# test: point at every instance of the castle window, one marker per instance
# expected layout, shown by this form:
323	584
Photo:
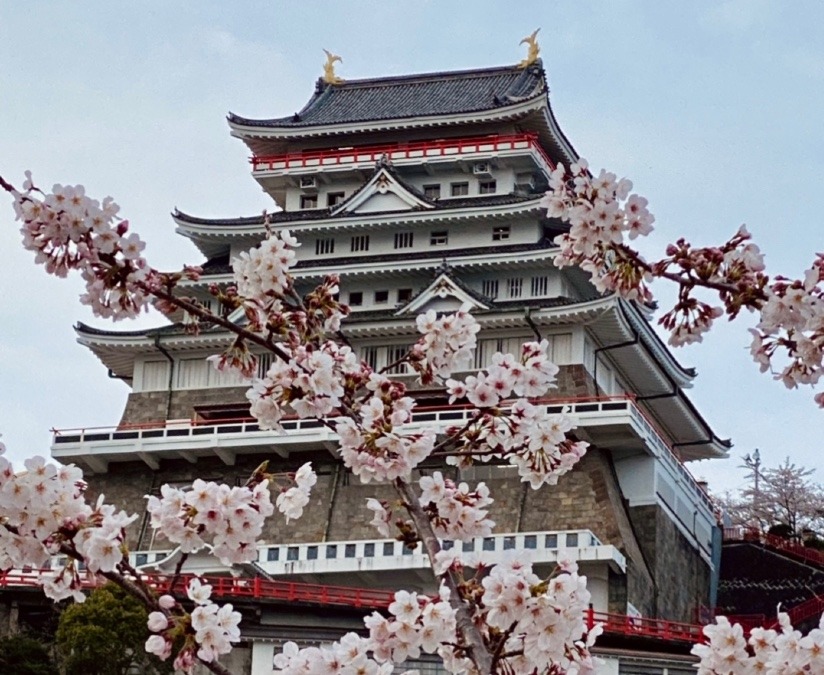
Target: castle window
369	550
403	239
308	201
334	198
500	233
489	287
539	286
404	294
459	189
331	551
439	238
370	355
141	559
360	242
551	541
514	287
324	246
292	553
487	187
389	548
349	551
432	191
381	297
272	554
311	552
396	353
355	298
572	540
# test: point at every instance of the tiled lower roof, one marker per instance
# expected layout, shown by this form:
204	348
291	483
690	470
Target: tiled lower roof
222	265
355	317
326	213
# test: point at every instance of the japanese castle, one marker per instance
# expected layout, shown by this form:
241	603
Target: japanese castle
422	192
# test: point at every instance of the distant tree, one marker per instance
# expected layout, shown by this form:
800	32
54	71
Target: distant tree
783	498
24	655
105	635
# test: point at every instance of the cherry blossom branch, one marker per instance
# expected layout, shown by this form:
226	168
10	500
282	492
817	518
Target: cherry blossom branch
475	644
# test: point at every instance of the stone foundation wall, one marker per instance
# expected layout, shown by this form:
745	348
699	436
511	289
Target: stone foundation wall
682	578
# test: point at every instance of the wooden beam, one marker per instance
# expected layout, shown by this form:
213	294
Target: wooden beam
151	461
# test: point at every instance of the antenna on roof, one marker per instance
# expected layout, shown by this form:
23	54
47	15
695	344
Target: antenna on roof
532	52
329	76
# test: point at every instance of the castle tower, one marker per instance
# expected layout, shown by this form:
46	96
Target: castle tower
422	192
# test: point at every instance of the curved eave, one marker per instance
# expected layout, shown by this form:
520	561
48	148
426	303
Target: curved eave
214	238
117	351
258	136
656	378
459	260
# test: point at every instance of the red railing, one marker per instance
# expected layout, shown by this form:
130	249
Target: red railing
790	547
232	587
414	150
362	598
643	627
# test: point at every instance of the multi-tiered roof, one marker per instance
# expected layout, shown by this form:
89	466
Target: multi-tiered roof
423	192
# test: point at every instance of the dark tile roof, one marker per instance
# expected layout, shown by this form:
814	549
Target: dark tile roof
412	96
222	265
755	578
482	201
354	317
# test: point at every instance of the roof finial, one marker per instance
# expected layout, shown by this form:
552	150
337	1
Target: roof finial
329	76
533	51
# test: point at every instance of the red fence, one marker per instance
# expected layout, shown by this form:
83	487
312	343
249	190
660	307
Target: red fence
418	150
363	598
790	547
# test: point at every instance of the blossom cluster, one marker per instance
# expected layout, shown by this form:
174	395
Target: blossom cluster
547	615
67	230
416	624
446	345
602	215
372	446
263	271
529	376
526	435
208	631
312	382
291	502
43	511
231	518
456	511
767	651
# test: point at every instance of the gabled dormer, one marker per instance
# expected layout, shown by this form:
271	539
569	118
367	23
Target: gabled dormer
384	191
444	294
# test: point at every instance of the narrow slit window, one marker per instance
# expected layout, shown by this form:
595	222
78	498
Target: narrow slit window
324	246
539	286
514	287
403	239
489	287
360	242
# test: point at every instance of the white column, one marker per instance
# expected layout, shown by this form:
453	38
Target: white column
263	653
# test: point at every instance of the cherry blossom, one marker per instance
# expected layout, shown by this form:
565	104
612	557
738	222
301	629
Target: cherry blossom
788	340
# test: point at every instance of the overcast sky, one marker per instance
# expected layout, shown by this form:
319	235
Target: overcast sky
713	109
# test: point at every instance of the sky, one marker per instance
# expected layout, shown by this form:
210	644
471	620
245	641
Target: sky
713	109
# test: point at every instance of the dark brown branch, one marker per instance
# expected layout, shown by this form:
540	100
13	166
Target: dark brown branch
475	645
